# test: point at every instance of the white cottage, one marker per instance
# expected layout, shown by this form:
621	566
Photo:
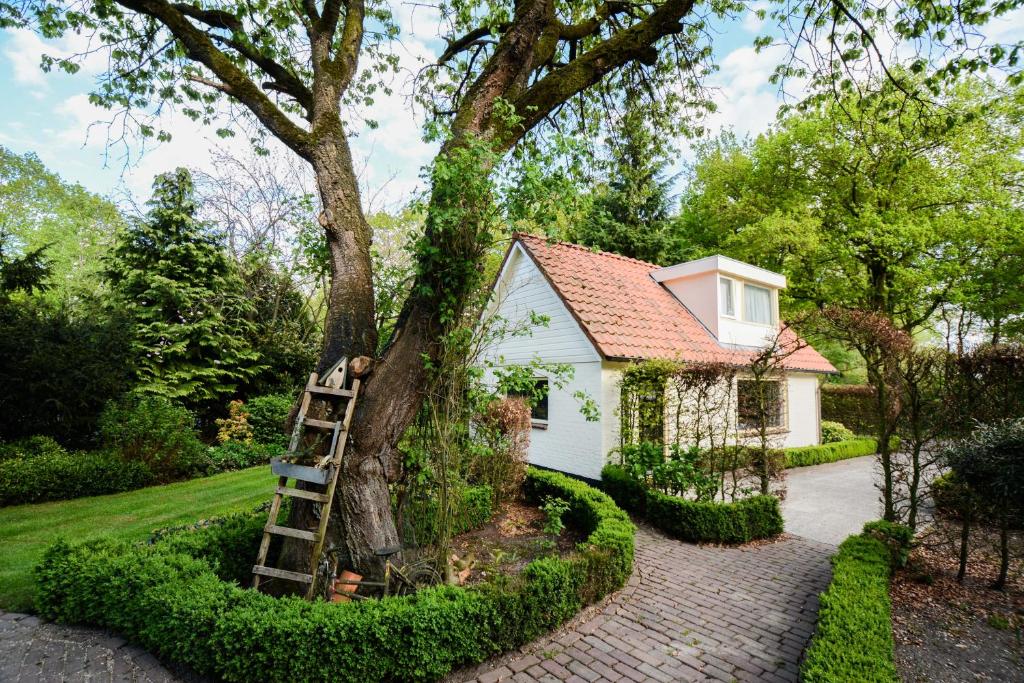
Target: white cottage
606	311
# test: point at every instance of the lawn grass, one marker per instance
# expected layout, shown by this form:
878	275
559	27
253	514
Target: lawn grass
27	530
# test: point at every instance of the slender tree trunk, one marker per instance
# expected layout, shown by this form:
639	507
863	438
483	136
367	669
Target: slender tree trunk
1004	554
915	482
965	540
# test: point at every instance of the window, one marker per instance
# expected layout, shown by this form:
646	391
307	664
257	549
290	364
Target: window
537	398
757	304
757	401
726	303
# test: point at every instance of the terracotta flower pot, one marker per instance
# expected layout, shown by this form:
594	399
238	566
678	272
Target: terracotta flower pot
340	588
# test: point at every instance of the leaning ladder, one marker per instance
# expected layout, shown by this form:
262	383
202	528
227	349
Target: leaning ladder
324	473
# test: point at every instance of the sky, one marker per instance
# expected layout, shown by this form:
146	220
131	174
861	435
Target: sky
50	114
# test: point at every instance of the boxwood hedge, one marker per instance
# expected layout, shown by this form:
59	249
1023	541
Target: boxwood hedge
175	598
804	456
699	522
853	640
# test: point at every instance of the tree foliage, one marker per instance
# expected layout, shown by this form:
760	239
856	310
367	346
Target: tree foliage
186	304
880	205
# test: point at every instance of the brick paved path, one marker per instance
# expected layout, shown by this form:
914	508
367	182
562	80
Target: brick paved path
689	613
31	651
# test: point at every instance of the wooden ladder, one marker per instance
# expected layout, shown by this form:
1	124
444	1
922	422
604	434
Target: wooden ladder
324	473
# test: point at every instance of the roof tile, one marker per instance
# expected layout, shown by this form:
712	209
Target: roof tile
630	316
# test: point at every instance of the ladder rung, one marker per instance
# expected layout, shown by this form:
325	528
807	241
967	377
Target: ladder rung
299	493
320	424
288	531
330	391
282	574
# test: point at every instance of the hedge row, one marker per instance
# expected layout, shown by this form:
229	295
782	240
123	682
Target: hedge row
853	640
698	522
171	597
829	452
59	475
851	404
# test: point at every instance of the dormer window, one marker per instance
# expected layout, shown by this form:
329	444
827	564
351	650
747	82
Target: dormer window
757	304
726	298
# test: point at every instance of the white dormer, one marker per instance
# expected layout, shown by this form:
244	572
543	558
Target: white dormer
738	302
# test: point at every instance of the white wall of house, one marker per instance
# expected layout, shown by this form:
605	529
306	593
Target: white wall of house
804	414
568	442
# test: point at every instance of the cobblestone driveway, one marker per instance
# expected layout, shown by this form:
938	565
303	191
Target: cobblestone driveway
31	651
689	613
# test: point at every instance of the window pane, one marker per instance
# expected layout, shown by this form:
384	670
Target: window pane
540	392
754	405
725	297
757	304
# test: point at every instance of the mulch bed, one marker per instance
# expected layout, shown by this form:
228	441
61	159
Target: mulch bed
947	631
510	541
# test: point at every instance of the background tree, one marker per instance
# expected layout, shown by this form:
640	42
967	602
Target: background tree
186	303
59	364
876	203
38	209
629	213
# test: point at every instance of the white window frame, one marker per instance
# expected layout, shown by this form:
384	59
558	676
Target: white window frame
732	296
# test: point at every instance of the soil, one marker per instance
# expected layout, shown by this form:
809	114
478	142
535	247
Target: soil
951	632
511	540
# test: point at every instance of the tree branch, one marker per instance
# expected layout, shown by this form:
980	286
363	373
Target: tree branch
200	48
635	43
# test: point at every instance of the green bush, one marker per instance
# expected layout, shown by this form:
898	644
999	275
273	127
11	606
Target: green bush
853	640
171	598
236	455
834	432
475	509
896	537
805	456
30	447
696	521
59	475
267	416
156	432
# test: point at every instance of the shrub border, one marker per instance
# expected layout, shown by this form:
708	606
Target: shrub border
698	522
853	640
168	598
805	456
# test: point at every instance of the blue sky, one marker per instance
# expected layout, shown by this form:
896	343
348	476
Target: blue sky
50	114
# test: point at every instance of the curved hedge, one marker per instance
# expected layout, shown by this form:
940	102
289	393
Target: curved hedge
853	640
175	598
698	522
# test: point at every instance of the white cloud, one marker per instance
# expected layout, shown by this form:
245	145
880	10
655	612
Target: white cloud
24	50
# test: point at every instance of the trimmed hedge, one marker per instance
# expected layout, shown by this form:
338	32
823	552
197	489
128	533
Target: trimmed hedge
805	456
853	640
59	475
851	404
169	598
699	522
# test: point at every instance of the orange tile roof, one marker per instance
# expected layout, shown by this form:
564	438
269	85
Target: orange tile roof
628	315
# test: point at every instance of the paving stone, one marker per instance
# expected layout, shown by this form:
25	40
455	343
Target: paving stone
691	613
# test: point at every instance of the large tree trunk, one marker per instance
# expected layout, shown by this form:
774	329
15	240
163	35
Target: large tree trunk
362	504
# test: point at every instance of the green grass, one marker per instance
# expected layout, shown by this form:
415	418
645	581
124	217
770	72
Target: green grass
27	530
